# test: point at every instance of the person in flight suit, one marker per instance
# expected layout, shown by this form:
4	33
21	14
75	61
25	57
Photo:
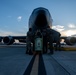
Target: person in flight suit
38	42
57	46
28	41
44	41
50	39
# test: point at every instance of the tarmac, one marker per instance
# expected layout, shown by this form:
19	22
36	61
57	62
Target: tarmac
14	61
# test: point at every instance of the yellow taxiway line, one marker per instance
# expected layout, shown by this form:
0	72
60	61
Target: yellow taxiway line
68	48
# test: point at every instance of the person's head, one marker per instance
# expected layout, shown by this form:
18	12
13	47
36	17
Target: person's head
30	29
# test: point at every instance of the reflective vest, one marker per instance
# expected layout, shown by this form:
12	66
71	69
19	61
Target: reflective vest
38	44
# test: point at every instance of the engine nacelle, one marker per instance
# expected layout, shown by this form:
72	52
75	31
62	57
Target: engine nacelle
70	40
8	40
0	39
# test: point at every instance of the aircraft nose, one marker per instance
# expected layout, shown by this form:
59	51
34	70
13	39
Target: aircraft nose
41	11
41	19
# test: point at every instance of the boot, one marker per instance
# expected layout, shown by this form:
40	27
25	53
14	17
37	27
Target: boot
30	52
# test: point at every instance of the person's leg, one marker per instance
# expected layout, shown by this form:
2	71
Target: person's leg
27	48
59	45
46	46
51	44
51	47
56	47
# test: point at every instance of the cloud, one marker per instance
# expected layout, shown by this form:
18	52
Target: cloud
63	30
68	32
71	26
19	18
58	27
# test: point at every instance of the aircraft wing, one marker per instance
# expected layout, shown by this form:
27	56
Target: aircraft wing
69	40
8	40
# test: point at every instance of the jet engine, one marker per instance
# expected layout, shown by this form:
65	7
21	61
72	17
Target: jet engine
0	39
70	40
8	40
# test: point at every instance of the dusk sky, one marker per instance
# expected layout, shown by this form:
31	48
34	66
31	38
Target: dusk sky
14	15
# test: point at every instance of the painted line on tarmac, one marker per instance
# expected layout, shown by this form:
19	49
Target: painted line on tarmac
55	62
29	68
34	70
36	66
41	68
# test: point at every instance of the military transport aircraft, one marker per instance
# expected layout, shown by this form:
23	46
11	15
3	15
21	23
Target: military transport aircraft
39	19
